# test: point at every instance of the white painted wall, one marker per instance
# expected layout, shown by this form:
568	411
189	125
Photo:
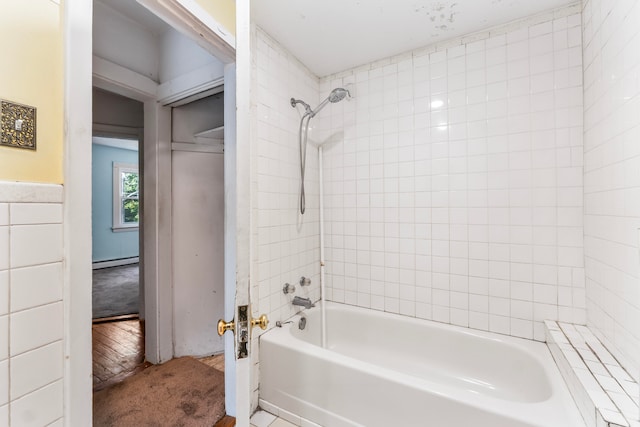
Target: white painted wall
198	252
173	60
198	232
612	175
116	110
195	117
119	40
158	289
180	55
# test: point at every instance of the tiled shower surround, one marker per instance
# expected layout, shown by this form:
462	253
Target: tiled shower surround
285	244
455	189
457	185
612	175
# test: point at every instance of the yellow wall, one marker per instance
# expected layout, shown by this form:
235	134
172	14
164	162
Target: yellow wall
224	11
31	73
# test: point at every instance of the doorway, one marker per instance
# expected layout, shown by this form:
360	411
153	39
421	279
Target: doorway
180	122
116	220
121	78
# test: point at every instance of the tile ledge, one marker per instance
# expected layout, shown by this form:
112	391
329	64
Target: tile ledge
30	192
600	406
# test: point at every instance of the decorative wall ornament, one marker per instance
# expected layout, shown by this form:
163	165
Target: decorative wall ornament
17	125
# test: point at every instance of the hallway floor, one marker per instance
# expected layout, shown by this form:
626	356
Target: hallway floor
118	353
115	291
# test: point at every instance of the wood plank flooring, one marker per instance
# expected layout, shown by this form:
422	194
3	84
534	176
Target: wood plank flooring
226	421
118	353
216	362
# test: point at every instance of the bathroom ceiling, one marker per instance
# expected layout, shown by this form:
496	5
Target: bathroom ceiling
334	35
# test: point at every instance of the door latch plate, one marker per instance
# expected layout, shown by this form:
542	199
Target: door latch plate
243	331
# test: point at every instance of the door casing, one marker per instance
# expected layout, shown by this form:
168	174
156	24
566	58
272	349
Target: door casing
183	15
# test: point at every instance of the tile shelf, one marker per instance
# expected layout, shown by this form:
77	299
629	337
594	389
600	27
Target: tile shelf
606	395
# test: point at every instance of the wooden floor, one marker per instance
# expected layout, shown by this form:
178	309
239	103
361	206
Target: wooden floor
118	353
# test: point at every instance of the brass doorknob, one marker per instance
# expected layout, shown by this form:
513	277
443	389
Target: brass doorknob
225	326
261	321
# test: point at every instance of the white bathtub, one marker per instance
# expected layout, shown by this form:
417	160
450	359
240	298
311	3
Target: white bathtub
387	370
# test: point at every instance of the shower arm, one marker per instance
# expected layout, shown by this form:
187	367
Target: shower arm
307	107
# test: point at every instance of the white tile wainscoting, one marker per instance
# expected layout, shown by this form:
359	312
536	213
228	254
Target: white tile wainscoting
31	308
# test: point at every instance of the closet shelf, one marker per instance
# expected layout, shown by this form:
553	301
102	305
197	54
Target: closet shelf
210	134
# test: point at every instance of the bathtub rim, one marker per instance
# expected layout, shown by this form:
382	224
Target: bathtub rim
539	351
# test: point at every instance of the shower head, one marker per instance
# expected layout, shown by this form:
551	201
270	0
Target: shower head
336	95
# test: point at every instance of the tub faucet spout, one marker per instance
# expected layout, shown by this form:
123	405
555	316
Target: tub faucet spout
303	302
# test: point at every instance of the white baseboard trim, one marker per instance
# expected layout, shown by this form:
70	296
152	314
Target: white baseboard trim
115	263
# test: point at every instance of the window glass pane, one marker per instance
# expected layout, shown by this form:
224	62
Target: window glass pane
130	208
129	184
126	192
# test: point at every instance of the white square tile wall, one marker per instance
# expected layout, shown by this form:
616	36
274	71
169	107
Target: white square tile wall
4	415
4	382
4	292
34	286
31	308
455	193
457	184
40	408
35	244
4	214
612	175
4	247
36	369
4	337
23	336
287	242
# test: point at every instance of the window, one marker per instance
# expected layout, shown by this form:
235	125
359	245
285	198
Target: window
126	190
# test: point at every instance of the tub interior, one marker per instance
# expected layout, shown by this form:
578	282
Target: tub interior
443	354
383	369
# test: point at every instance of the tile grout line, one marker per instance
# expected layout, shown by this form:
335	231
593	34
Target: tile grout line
611	374
601	411
10	316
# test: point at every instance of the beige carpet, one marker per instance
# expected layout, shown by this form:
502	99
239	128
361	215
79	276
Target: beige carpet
182	392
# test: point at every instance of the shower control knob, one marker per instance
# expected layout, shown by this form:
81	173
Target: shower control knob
305	281
288	289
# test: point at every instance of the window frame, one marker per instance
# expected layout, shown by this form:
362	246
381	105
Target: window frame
118	224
